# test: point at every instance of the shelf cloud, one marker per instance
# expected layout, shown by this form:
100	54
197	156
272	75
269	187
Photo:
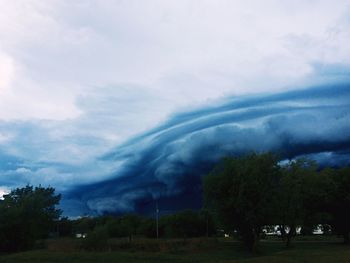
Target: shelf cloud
169	160
119	103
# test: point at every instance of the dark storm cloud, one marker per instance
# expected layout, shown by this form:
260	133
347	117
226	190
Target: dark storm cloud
167	162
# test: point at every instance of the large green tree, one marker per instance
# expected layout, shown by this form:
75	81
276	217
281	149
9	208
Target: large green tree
303	195
242	193
340	203
27	214
317	188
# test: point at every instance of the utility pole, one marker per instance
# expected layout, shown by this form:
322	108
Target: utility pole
207	225
157	219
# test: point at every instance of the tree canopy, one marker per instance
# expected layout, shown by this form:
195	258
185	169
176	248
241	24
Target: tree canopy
242	192
27	214
249	192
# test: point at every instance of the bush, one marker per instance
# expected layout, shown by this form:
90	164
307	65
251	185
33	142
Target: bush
96	240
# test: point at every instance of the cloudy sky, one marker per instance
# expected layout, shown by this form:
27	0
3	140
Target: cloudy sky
90	91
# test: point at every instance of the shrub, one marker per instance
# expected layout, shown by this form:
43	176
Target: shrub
96	240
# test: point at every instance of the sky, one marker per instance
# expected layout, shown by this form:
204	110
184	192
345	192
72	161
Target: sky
119	103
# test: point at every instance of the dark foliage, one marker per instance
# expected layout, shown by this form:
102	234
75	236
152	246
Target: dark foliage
242	193
249	192
187	224
340	203
26	215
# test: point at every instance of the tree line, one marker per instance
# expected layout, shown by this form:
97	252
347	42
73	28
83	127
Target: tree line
242	196
30	214
182	224
250	192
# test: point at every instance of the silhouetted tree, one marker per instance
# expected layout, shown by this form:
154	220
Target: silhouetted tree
242	192
187	224
26	215
130	225
340	203
291	199
84	225
317	188
64	227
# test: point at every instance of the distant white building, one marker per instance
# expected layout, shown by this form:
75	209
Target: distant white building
80	235
318	230
274	230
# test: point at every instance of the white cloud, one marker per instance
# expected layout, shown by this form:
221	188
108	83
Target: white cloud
3	191
7	69
189	51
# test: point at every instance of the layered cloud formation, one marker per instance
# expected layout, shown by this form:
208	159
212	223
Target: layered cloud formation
84	83
167	163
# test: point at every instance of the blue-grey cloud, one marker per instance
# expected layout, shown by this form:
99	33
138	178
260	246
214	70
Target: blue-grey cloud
73	86
167	162
62	152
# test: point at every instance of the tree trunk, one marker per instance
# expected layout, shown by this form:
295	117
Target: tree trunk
255	242
346	237
290	235
283	232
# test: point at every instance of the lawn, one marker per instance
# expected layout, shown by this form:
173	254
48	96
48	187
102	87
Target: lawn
194	251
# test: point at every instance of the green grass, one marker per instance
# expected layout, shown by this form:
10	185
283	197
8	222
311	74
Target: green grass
195	251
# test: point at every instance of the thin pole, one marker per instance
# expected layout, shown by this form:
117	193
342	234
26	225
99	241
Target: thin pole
207	225
157	219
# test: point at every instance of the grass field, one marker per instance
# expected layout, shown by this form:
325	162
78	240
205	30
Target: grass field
319	251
